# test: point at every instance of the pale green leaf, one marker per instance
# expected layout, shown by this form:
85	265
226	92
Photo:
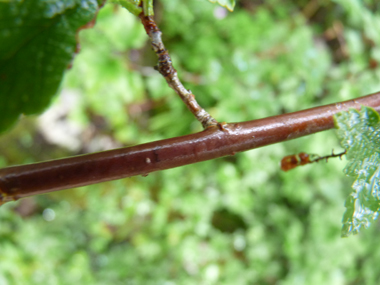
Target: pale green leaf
229	4
131	5
359	133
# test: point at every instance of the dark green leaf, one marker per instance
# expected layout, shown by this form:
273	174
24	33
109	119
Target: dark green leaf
38	41
359	133
227	221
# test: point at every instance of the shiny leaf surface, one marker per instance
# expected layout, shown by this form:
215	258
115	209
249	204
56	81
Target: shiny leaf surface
359	133
38	41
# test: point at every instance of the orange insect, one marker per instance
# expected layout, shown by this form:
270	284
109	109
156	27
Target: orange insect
292	161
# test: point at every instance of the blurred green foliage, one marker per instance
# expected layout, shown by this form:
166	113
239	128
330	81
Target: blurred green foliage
235	220
359	133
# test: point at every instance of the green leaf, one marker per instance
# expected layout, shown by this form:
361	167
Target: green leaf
38	41
229	4
148	7
359	133
131	5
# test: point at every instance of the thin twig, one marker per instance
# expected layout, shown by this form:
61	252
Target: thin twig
326	157
165	67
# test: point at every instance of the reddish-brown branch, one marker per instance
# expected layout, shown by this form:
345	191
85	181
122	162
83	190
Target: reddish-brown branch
216	141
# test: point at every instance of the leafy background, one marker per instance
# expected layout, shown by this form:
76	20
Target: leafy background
232	220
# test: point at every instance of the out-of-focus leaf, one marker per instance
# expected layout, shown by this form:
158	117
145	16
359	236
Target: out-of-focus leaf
38	41
227	221
229	4
131	5
359	133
